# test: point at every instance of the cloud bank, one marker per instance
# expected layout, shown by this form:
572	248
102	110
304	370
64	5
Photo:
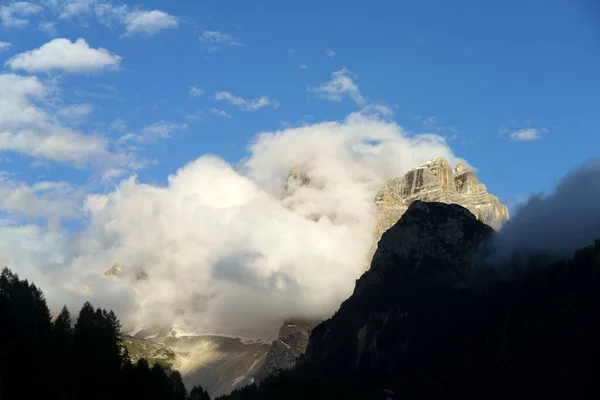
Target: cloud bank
224	248
557	223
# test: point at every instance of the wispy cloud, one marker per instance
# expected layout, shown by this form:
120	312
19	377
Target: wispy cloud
329	53
138	22
16	15
215	39
151	133
524	135
76	112
75	8
49	28
303	66
64	55
220	113
196	91
430	121
5	46
340	85
245	104
118	125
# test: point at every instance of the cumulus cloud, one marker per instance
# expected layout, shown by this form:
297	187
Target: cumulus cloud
245	104
340	85
17	14
227	250
527	135
559	222
329	53
64	55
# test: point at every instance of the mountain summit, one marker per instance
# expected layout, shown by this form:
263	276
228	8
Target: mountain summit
436	181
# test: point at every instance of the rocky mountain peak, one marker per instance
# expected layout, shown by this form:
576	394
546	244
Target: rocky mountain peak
436	181
114	272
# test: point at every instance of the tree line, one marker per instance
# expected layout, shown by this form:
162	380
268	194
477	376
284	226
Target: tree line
66	359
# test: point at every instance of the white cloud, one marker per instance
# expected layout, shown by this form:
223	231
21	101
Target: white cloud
220	113
53	201
49	28
245	104
196	91
151	133
76	8
15	15
5	46
118	125
223	250
76	112
27	127
302	66
149	22
430	121
216	38
329	53
62	54
341	84
138	22
161	129
527	135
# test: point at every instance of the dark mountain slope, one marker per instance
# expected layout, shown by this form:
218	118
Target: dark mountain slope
427	321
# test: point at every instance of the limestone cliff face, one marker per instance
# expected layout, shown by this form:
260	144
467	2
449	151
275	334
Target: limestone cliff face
290	344
436	181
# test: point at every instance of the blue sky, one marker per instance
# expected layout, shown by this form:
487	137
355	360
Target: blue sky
477	69
94	91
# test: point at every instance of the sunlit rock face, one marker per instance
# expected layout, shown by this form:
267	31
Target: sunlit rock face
436	181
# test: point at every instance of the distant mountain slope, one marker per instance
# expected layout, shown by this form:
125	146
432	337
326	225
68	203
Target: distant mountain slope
219	364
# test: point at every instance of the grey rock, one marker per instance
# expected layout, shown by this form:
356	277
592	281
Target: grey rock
284	351
436	181
114	272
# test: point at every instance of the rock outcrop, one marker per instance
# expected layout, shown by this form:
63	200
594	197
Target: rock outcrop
290	344
436	181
